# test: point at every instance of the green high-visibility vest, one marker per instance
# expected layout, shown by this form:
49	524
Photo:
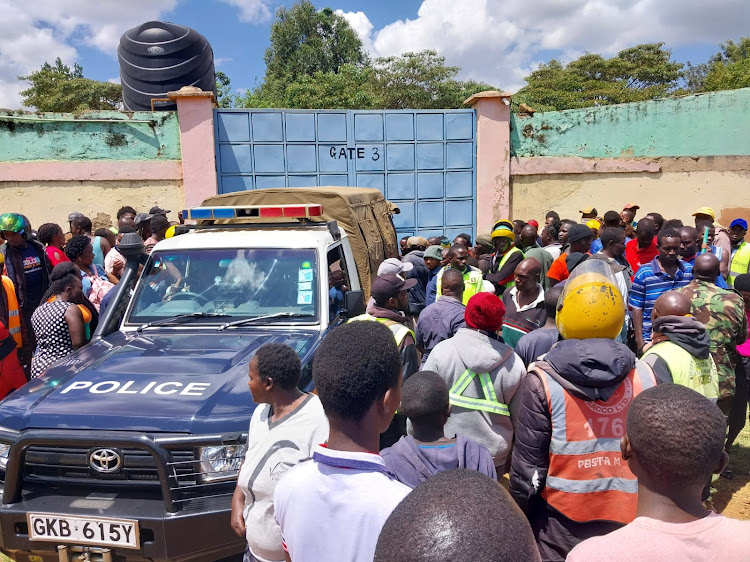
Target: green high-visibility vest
687	370
740	262
398	330
473	282
488	404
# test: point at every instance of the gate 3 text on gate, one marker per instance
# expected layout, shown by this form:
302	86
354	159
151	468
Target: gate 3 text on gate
347	153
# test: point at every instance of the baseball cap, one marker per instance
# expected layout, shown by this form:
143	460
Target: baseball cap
587	210
140	218
630	206
159	222
156	210
739	222
534	223
395	266
579	232
417	241
389	285
434	252
706	211
74	215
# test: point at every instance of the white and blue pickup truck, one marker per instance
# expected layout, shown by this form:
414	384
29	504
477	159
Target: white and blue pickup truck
129	448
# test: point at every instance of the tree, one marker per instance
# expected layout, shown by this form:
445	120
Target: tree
350	88
305	41
639	73
420	81
223	90
729	68
58	88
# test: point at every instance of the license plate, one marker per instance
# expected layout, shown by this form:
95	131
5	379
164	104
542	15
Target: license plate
83	530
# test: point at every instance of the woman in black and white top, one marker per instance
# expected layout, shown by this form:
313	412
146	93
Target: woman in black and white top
58	324
284	429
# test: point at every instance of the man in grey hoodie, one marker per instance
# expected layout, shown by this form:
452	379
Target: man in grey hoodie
483	375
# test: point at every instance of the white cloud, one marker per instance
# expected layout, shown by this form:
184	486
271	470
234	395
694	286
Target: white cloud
250	10
34	32
499	42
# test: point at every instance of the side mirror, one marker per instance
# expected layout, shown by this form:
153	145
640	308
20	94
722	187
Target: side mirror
354	302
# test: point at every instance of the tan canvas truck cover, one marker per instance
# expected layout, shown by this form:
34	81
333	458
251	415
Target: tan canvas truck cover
363	213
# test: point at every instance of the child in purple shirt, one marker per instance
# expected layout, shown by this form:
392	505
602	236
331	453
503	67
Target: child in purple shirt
427	451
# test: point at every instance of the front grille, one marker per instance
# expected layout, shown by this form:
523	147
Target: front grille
70	465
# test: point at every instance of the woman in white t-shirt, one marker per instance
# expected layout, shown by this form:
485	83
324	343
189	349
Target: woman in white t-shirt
284	428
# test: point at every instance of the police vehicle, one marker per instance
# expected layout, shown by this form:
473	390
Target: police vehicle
129	448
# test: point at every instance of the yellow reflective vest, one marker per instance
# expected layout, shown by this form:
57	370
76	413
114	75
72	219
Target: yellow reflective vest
740	262
398	330
473	282
687	370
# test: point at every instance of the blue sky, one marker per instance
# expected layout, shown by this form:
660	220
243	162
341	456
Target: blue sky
496	41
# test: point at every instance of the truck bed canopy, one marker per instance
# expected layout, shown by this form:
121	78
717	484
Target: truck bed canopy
363	213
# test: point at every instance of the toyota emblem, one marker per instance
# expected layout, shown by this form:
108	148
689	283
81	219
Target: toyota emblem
105	460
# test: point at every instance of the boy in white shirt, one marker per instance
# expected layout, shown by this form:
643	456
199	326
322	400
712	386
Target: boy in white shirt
333	507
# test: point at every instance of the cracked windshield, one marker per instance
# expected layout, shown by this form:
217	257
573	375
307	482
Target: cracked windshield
240	283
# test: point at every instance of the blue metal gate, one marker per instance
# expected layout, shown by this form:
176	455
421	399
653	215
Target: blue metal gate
424	161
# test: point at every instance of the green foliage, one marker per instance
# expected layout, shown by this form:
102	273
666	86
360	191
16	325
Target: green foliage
223	90
422	81
305	41
639	73
729	68
58	88
350	88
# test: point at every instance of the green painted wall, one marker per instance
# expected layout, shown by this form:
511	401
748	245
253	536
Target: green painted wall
93	135
713	124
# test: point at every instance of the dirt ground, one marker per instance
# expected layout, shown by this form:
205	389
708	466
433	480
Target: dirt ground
732	497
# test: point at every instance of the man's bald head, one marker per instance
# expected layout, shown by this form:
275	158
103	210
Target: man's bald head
706	267
671	303
452	283
528	236
527	274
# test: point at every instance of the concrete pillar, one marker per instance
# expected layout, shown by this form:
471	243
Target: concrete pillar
493	157
196	117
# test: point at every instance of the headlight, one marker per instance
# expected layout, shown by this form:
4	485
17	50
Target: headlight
220	462
4	452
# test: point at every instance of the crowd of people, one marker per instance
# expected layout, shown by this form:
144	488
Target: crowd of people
601	364
55	284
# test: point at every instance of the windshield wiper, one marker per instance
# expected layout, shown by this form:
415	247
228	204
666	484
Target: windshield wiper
179	317
266	317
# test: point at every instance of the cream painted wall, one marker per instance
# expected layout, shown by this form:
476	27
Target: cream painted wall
674	194
99	200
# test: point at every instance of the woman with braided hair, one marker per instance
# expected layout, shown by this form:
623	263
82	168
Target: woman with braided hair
88	310
53	238
58	324
96	281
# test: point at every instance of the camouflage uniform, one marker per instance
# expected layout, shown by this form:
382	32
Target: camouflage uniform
723	314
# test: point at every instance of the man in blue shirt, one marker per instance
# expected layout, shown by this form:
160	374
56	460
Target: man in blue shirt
664	273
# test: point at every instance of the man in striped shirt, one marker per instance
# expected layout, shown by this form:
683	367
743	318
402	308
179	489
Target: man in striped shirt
664	273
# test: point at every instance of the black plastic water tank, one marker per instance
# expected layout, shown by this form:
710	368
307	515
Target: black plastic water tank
159	57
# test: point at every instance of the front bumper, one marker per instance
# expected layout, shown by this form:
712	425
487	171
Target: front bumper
200	531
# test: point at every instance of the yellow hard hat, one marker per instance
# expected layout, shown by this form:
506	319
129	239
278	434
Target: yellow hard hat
594	224
591	305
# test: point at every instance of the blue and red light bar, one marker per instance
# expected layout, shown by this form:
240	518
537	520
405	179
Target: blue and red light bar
254	211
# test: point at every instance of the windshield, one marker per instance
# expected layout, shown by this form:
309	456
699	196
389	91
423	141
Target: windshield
238	283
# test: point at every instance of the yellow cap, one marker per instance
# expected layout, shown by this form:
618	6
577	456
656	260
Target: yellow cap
587	210
591	305
706	211
594	224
